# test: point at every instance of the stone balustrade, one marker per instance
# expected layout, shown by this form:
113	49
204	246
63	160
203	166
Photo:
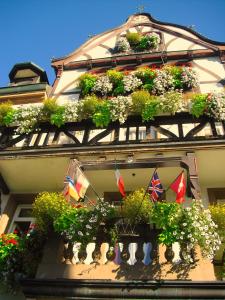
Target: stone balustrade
122	253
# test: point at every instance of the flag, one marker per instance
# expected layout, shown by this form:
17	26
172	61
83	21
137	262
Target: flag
81	183
76	188
179	187
155	188
120	183
70	189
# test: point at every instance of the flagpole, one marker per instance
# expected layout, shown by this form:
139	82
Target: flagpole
91	186
145	194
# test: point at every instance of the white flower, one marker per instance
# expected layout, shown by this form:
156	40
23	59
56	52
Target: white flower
80	233
122	45
131	83
102	85
120	107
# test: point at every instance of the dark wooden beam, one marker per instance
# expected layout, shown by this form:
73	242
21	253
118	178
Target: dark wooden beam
3	186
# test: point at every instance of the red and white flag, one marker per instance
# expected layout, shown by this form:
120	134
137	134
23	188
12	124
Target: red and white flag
120	183
179	187
80	182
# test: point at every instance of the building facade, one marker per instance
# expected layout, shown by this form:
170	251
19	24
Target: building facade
174	140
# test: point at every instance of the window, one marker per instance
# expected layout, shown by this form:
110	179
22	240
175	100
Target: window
114	198
216	195
22	219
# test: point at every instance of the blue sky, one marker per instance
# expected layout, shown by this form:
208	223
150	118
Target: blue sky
38	30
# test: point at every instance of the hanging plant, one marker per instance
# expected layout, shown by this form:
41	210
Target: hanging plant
198	105
86	83
7	113
138	42
216	105
120	108
151	109
102	116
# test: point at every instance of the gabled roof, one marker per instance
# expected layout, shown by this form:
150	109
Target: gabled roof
145	19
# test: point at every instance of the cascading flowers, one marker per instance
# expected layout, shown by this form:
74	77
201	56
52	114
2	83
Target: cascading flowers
197	228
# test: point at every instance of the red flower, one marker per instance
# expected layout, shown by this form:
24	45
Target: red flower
15	231
12	241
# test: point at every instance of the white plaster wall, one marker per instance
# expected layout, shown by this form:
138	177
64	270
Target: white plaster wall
67	82
63	99
209	81
182	31
101	52
180	43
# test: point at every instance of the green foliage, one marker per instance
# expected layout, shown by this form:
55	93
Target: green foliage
50	107
218	216
170	102
115	77
167	217
119	90
137	207
151	109
144	44
19	256
86	83
47	207
147	75
6	113
139	99
176	72
87	107
133	38
82	224
102	116
198	105
57	118
7	243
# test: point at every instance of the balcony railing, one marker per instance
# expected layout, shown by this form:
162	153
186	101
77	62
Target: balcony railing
163	131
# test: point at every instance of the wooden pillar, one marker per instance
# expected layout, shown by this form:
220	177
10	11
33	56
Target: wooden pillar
192	173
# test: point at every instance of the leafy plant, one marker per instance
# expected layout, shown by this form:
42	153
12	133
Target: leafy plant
86	83
170	102
115	76
133	38
87	107
218	216
47	207
151	109
167	217
198	105
19	256
102	116
82	224
50	107
6	113
137	207
57	118
176	72
139	99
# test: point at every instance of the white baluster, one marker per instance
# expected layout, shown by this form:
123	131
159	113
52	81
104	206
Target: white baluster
89	249
176	250
104	249
147	248
76	249
118	250
132	248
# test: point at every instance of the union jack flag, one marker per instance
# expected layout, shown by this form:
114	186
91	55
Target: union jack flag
155	188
